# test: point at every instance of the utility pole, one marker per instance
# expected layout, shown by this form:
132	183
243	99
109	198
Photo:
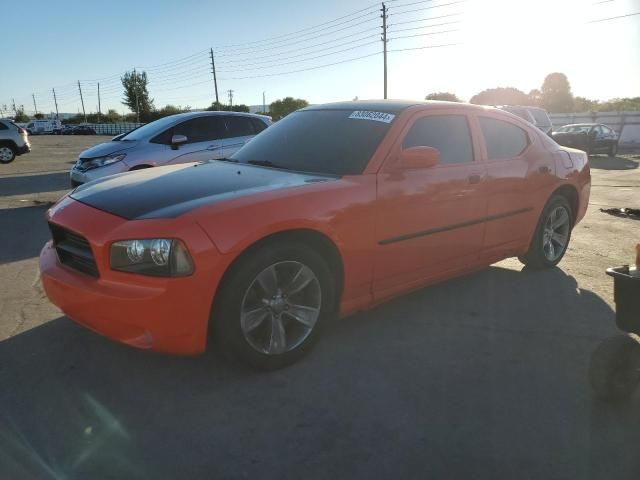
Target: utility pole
264	105
55	100
384	43
135	89
15	111
230	99
215	81
99	111
35	108
84	114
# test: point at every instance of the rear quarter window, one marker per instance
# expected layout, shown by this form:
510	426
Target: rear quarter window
3	126
503	139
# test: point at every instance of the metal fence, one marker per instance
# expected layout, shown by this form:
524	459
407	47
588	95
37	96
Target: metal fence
113	128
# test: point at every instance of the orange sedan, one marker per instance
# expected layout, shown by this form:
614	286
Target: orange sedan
332	210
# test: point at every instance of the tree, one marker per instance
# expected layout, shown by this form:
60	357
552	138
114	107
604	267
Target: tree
281	108
446	96
111	116
556	93
500	96
39	116
535	98
20	116
136	95
582	104
219	107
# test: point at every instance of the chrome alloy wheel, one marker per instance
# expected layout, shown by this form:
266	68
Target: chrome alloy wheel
6	154
556	233
281	307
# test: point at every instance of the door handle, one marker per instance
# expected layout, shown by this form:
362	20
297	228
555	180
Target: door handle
213	147
544	170
475	179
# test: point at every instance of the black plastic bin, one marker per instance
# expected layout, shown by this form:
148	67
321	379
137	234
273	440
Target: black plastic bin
626	294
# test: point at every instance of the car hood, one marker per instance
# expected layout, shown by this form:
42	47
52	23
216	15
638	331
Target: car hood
107	148
167	192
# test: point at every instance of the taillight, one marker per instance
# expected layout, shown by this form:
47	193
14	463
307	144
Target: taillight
22	131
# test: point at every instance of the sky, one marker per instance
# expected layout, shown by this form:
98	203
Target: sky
261	46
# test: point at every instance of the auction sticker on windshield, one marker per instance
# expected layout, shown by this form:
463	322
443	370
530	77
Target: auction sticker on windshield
375	116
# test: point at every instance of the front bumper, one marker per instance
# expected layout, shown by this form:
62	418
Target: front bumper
78	177
169	315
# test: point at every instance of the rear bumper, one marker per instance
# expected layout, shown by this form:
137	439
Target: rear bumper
26	148
168	315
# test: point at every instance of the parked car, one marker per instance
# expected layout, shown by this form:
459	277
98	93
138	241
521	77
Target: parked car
14	141
333	209
41	127
83	130
589	137
535	115
185	137
66	130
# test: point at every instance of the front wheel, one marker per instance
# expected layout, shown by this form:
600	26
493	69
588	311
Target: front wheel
613	149
614	371
552	235
272	303
7	154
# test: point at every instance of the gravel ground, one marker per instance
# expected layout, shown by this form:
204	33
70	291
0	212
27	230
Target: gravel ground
480	377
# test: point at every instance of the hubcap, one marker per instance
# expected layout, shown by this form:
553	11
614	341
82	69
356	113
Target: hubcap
281	307
556	233
5	154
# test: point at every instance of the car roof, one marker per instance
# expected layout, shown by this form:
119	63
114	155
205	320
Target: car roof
391	106
187	115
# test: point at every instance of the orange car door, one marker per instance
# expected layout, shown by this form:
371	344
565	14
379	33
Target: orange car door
515	165
429	220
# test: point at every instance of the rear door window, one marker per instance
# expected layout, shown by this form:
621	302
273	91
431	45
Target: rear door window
3	126
503	139
448	133
258	125
200	129
240	126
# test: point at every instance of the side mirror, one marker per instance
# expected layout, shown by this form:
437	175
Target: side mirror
178	140
418	157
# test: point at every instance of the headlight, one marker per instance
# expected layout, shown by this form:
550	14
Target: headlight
102	161
159	257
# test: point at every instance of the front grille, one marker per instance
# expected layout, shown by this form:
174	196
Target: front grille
73	250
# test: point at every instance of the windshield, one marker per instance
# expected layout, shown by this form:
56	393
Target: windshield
540	116
575	129
318	141
148	130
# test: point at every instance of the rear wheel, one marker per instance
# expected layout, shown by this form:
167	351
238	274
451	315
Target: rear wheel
272	304
614	371
552	235
613	149
7	154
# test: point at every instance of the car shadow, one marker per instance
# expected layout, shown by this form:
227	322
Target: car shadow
27	184
29	232
604	162
480	377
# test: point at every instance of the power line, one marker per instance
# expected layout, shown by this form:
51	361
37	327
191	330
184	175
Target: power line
427	8
230	54
614	18
424	34
425	19
424	26
372	6
305	60
424	47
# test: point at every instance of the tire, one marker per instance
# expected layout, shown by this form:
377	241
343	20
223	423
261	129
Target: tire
614	371
246	319
540	255
613	149
7	153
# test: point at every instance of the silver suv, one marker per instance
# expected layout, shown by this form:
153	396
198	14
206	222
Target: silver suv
14	141
181	138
